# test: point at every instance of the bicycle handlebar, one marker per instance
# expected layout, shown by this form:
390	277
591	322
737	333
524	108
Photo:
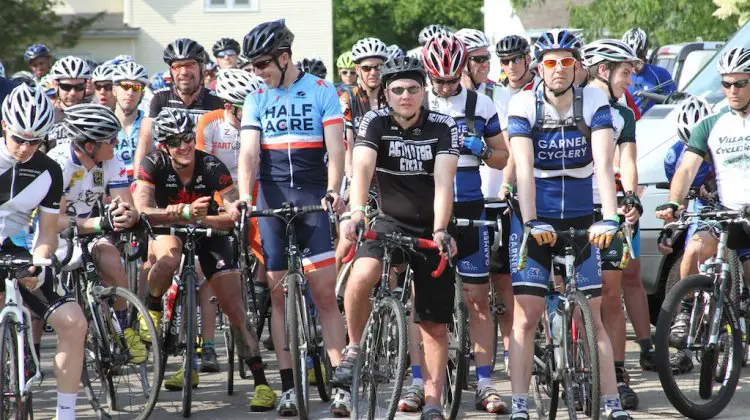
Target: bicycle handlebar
193	230
401	240
660	99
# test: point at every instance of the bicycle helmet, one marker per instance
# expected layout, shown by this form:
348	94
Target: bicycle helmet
511	45
70	67
394	51
90	122
171	122
103	73
210	66
736	60
444	57
130	71
2	70
473	39
607	50
557	40
47	84
693	110
35	51
430	31
157	81
183	49
345	61
638	41
369	48
268	38
313	66
25	77
233	85
121	59
224	44
28	112
391	69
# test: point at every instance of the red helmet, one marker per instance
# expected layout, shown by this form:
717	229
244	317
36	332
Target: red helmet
444	56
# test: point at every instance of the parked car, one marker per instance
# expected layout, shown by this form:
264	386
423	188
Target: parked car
685	60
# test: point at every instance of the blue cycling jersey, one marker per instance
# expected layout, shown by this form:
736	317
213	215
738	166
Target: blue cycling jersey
654	79
291	121
672	162
127	143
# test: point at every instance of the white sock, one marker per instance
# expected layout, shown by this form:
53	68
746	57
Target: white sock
66	406
418	382
484	383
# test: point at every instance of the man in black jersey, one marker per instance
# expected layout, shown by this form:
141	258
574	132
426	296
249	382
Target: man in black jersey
413	154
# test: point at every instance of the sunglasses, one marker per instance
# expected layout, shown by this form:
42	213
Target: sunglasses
739	84
479	59
188	66
368	69
399	90
176	141
514	60
67	87
347	72
30	142
446	82
260	65
564	62
103	86
222	54
135	87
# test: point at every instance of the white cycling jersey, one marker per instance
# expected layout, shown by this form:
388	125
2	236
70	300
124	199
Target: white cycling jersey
220	138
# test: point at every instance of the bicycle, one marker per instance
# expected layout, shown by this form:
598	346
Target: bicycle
303	337
714	332
109	377
383	351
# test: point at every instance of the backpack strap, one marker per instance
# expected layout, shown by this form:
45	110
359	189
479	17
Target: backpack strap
471	108
539	95
578	113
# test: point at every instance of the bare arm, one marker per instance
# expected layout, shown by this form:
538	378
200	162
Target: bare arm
47	242
349	153
509	172
602	145
684	176
444	174
334	138
84	225
628	170
145	143
249	159
523	156
500	153
360	184
145	202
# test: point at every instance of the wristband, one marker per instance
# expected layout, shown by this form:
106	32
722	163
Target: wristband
508	186
363	209
439	230
249	198
98	225
186	212
675	203
615	218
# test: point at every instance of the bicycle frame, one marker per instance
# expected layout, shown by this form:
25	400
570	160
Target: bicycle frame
15	308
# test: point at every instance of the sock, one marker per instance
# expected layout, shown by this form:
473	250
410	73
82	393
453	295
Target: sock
431	407
646	345
66	406
122	318
416	376
255	364
208	344
484	378
287	379
611	403
154	303
520	403
38	350
620	371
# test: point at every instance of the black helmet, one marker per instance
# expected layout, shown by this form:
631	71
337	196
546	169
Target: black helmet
397	66
224	44
313	66
267	38
171	122
512	45
184	49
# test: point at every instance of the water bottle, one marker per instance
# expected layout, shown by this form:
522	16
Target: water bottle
169	298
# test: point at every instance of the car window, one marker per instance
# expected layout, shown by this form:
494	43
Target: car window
667	62
694	62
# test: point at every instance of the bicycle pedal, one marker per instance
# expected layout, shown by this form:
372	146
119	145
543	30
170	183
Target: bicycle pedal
213	299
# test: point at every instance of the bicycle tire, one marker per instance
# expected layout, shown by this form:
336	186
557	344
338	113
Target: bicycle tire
11	400
190	282
295	335
229	343
321	364
714	405
587	345
495	324
457	367
545	388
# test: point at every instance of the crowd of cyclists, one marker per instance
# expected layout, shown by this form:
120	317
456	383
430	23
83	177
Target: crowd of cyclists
429	136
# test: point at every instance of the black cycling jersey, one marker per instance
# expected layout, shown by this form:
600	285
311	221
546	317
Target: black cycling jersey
406	161
167	98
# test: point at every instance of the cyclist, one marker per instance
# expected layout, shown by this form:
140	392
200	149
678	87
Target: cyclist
648	77
130	80
39	59
445	59
394	51
70	75
314	66
415	194
475	74
284	143
35	182
554	185
209	74
176	184
226	51
102	79
347	73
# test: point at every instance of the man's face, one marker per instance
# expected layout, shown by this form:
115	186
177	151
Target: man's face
557	68
479	65
348	76
737	94
105	152
40	66
208	77
621	78
405	96
183	153
186	75
515	66
369	72
70	91
20	149
227	59
128	94
265	68
103	93
445	87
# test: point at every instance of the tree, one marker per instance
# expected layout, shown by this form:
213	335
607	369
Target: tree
733	8
26	22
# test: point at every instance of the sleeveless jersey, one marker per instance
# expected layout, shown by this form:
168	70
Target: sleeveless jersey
127	143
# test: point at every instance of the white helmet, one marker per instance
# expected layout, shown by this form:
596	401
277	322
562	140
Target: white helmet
369	47
47	85
103	73
2	70
609	50
70	67
693	110
431	30
233	85
473	39
28	112
130	71
736	60
637	39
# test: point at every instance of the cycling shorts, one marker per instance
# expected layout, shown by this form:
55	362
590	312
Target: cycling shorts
499	262
253	234
636	240
473	244
312	229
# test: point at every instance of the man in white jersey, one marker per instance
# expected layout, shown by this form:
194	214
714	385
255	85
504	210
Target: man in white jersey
477	68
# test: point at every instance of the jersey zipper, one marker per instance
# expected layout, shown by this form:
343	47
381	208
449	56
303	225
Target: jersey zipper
562	201
288	143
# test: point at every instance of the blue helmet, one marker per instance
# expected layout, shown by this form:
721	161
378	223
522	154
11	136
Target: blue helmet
557	40
36	51
157	81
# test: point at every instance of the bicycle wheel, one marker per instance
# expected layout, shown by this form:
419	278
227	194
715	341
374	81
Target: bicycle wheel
229	343
694	392
458	351
321	363
581	358
379	372
11	401
296	334
544	386
495	314
190	280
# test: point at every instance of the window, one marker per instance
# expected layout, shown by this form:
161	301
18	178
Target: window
230	5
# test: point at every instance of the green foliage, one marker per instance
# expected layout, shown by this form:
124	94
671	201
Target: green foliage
739	9
26	22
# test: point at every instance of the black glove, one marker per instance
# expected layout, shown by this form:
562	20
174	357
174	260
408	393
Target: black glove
632	200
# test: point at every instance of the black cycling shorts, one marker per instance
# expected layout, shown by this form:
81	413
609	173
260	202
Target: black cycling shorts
499	258
216	254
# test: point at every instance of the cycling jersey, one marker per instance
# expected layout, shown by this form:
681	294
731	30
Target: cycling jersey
653	79
341	88
468	184
355	103
24	186
726	136
291	121
6	86
623	124
217	136
406	162
167	98
127	143
563	161
628	100
672	162
487	88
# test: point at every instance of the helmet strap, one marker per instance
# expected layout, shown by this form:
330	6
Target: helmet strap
283	71
401	116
